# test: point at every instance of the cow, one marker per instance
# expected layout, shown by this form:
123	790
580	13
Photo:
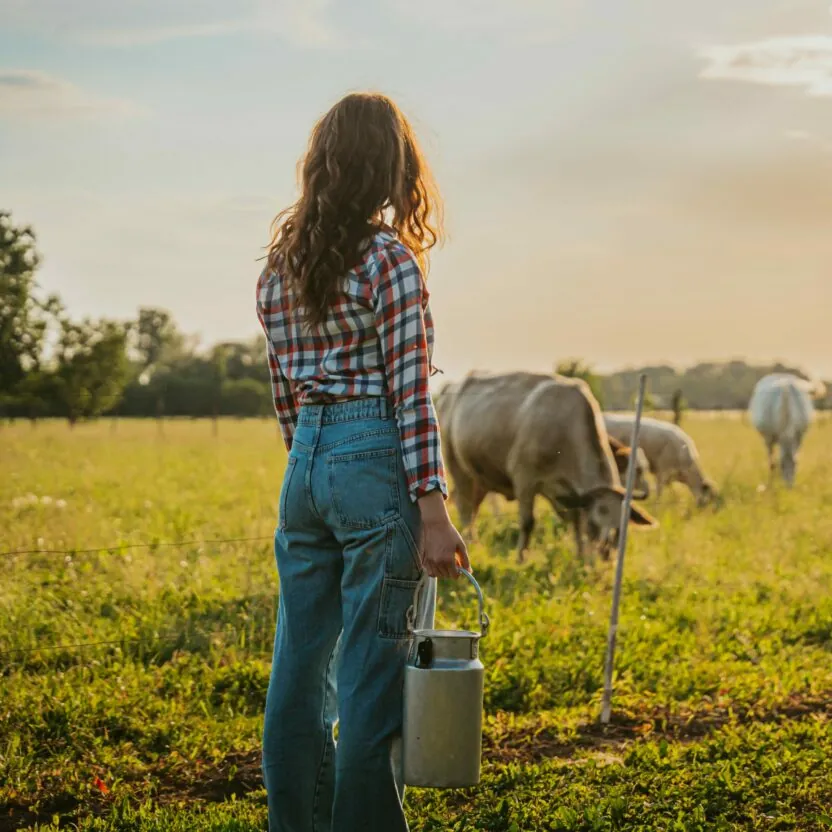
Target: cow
524	434
781	409
671	454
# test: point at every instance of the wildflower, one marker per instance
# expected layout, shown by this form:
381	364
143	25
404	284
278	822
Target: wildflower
101	785
60	503
46	501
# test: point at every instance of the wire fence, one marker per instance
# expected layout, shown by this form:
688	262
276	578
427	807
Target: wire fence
117	547
77	647
20	655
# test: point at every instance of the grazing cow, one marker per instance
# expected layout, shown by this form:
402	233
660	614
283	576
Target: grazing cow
671	454
781	409
523	434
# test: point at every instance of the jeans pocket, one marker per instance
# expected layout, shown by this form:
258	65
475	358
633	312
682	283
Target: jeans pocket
402	572
364	487
402	558
291	465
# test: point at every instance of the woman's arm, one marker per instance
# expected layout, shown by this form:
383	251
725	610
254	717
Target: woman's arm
400	323
285	404
284	399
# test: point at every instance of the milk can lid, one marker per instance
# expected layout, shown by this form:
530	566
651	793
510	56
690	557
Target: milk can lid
447	633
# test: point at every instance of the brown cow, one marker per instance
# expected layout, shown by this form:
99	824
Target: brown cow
523	434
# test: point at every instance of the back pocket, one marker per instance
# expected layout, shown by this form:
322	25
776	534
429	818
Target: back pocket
364	487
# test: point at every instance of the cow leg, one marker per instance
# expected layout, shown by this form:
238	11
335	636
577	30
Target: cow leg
772	461
526	501
577	519
660	484
468	496
494	504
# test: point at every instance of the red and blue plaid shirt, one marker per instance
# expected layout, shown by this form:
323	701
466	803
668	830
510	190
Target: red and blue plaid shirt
377	341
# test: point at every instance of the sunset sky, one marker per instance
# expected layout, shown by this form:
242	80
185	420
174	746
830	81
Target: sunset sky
625	182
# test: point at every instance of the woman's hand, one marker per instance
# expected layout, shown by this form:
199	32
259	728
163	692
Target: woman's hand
443	549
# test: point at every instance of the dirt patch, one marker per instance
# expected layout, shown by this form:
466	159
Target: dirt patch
534	744
239	773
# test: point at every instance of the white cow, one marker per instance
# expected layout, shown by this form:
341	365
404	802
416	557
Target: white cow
671	453
781	409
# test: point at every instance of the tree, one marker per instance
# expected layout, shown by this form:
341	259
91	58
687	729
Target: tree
245	397
246	359
23	317
678	405
575	368
158	340
92	367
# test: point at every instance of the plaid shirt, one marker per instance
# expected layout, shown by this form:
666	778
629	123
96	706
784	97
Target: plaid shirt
377	341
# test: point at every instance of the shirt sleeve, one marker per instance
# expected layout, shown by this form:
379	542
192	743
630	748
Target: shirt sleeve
400	303
285	404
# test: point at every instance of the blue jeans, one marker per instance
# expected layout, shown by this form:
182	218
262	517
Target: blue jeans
348	560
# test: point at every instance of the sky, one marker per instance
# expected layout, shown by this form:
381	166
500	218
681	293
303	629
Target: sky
629	183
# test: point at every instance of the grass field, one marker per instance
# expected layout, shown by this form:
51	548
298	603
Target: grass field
723	706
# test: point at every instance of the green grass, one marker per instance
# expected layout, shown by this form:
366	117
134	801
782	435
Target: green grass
722	717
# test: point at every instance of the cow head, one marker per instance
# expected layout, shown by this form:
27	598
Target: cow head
602	509
708	494
701	487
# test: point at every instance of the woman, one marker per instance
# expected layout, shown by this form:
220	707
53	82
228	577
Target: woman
344	306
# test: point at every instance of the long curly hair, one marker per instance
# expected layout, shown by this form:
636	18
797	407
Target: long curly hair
363	172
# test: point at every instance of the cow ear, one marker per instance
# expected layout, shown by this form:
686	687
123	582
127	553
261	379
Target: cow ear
641	518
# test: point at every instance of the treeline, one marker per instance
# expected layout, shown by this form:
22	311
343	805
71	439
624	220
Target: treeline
54	366
707	386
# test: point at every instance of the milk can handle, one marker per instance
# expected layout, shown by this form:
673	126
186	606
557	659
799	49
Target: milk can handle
483	615
485	621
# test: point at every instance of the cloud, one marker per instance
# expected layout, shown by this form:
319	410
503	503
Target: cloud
31	93
126	23
812	140
802	61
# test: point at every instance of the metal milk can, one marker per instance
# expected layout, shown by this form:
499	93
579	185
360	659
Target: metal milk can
443	685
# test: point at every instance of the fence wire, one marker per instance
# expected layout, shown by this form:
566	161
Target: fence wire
117	547
77	647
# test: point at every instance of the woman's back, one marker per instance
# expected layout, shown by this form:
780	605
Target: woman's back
344	357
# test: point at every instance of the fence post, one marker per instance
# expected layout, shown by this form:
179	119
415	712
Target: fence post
606	702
